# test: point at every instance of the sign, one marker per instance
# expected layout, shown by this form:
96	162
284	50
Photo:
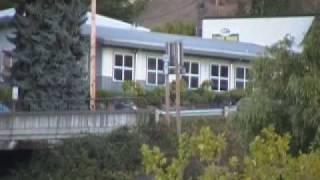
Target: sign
225	31
15	93
174	51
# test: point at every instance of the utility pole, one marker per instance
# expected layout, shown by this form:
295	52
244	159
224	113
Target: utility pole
179	56
167	60
93	56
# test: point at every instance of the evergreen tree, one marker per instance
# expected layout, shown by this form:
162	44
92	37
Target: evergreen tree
50	54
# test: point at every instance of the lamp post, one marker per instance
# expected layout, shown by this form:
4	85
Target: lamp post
93	56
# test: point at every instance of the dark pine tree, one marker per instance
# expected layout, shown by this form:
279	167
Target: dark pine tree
50	54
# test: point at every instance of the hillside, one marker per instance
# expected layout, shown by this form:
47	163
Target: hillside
159	12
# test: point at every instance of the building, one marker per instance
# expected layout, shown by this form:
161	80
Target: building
5	29
138	56
264	31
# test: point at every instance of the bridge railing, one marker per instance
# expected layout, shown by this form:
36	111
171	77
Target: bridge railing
52	125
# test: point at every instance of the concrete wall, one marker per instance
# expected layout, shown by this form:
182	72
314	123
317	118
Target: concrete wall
106	82
262	31
61	125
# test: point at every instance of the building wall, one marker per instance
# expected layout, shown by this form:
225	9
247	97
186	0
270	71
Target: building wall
107	82
262	31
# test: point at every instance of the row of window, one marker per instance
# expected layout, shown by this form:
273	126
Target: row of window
219	75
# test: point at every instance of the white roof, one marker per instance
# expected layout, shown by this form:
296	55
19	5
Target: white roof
264	31
102	21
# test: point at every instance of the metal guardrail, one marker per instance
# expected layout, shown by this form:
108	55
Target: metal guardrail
200	112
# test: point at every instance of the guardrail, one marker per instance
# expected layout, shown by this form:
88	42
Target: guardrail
199	112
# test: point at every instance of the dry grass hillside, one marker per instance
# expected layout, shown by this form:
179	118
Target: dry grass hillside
159	12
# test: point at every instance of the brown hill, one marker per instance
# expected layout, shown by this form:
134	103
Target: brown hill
159	12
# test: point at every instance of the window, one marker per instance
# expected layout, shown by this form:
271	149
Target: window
155	70
242	77
123	68
219	77
192	73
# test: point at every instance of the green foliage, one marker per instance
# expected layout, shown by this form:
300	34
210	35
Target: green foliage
125	10
205	145
285	93
6	4
132	89
270	8
183	28
268	159
5	94
155	97
50	53
183	90
114	156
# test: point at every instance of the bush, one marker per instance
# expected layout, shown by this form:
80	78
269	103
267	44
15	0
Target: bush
155	97
103	94
133	89
5	94
114	156
183	90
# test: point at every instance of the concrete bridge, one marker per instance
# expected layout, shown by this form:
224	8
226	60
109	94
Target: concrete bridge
22	127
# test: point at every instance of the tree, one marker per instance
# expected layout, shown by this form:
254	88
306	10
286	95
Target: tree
285	93
50	54
268	158
267	7
126	10
115	156
183	28
6	4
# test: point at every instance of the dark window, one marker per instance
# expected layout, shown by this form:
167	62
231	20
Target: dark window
186	80
187	67
152	78
240	73
152	64
128	61
161	79
194	68
160	65
215	84
239	85
118	74
128	75
224	71
214	70
223	85
118	60
194	82
248	74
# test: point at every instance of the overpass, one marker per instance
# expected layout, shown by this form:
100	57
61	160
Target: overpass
50	127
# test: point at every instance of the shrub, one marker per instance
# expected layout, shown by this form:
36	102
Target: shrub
133	89
155	97
114	156
5	94
183	90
